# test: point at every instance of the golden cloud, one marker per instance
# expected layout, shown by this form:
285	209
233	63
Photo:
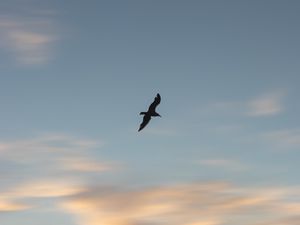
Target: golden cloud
49	165
191	204
9	206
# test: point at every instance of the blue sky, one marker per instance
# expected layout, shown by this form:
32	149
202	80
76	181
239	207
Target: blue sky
75	75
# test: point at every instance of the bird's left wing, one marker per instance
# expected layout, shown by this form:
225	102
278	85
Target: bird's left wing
146	120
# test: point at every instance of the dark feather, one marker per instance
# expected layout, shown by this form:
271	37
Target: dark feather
146	120
154	103
151	112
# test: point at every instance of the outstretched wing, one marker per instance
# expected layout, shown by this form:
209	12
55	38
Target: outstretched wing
154	104
146	120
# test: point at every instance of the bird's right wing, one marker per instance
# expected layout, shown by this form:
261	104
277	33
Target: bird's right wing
146	120
155	103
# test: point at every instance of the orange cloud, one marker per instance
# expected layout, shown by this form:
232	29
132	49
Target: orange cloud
191	204
49	165
59	152
85	165
45	188
9	206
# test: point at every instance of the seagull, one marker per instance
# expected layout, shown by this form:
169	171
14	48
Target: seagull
151	112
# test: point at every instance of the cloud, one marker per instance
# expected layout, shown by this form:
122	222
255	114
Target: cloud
30	47
9	206
19	196
288	138
28	38
288	221
204	203
44	188
161	131
47	167
86	165
222	164
195	203
266	105
52	154
48	176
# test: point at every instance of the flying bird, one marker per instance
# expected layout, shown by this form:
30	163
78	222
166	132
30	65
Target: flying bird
151	112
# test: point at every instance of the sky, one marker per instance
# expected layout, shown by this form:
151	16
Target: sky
75	75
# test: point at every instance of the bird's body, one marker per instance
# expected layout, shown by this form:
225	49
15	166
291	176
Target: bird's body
150	113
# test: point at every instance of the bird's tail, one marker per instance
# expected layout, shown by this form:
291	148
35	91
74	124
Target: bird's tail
142	113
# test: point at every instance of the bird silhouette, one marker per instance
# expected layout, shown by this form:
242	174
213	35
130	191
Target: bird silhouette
151	112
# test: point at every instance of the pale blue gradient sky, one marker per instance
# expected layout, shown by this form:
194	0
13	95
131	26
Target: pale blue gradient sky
75	75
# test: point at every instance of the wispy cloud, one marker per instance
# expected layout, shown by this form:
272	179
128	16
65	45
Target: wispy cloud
206	203
16	198
198	203
161	131
266	105
56	152
43	188
222	164
287	138
81	164
11	206
28	38
285	221
53	166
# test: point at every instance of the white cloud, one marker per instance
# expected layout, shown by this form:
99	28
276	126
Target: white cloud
222	164
266	105
28	39
288	138
30	47
161	131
